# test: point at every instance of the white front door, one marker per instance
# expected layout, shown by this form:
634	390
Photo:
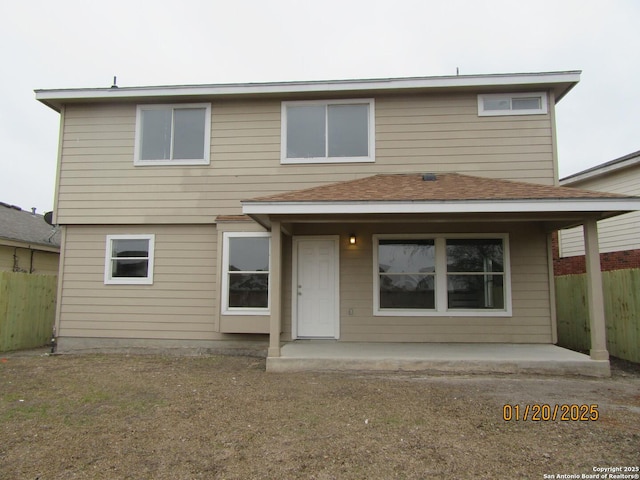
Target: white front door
315	287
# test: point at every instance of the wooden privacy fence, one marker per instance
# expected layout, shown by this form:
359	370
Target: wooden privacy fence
622	312
27	310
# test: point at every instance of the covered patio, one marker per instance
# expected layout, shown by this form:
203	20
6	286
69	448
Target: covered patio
458	358
518	336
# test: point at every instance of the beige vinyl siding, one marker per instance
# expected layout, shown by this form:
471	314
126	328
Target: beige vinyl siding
181	303
530	322
434	133
40	262
6	258
614	234
571	242
46	262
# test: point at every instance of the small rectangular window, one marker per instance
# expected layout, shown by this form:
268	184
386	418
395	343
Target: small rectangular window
526	103
512	104
246	265
173	134
328	131
129	259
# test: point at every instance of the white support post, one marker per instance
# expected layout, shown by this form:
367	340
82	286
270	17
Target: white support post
595	296
275	322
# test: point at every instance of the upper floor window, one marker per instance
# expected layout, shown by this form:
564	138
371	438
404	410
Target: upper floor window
173	134
328	131
512	104
129	259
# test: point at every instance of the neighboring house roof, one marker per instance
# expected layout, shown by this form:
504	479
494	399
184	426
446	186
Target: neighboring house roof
438	193
17	225
608	167
559	82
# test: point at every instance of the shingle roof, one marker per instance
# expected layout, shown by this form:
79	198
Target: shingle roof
442	187
22	226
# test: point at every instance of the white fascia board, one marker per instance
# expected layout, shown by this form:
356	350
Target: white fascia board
53	96
502	206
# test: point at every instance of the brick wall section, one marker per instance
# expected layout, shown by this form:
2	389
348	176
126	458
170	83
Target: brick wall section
608	261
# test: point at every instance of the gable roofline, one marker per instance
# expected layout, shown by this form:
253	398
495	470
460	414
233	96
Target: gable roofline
560	82
626	161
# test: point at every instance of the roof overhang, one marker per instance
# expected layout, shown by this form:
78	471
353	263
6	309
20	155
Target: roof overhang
618	164
458	206
559	82
9	242
262	211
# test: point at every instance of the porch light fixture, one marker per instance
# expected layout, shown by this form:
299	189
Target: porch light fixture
352	239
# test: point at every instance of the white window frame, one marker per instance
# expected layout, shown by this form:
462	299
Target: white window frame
137	161
326	159
482	112
226	309
441	308
110	280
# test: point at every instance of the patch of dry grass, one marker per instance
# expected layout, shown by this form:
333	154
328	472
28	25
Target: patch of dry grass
161	417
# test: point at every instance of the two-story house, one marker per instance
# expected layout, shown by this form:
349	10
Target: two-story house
410	210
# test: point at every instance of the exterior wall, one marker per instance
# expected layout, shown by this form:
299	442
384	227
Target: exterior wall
100	192
39	262
614	234
435	133
608	261
531	321
181	304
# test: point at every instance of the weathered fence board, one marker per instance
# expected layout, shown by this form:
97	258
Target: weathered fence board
27	310
571	310
622	309
622	312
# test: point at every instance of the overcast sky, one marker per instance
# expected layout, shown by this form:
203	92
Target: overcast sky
79	43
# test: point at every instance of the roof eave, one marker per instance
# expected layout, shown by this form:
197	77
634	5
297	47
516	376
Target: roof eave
609	167
45	247
253	208
560	82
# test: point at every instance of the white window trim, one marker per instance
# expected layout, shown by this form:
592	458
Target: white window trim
226	309
510	96
441	278
207	135
355	101
148	280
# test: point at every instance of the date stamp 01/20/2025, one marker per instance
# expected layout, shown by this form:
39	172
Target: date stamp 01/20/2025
538	412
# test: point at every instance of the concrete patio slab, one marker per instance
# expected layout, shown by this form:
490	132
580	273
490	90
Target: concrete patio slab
462	358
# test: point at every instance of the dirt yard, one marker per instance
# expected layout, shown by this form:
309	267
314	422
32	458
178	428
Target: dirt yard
167	417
